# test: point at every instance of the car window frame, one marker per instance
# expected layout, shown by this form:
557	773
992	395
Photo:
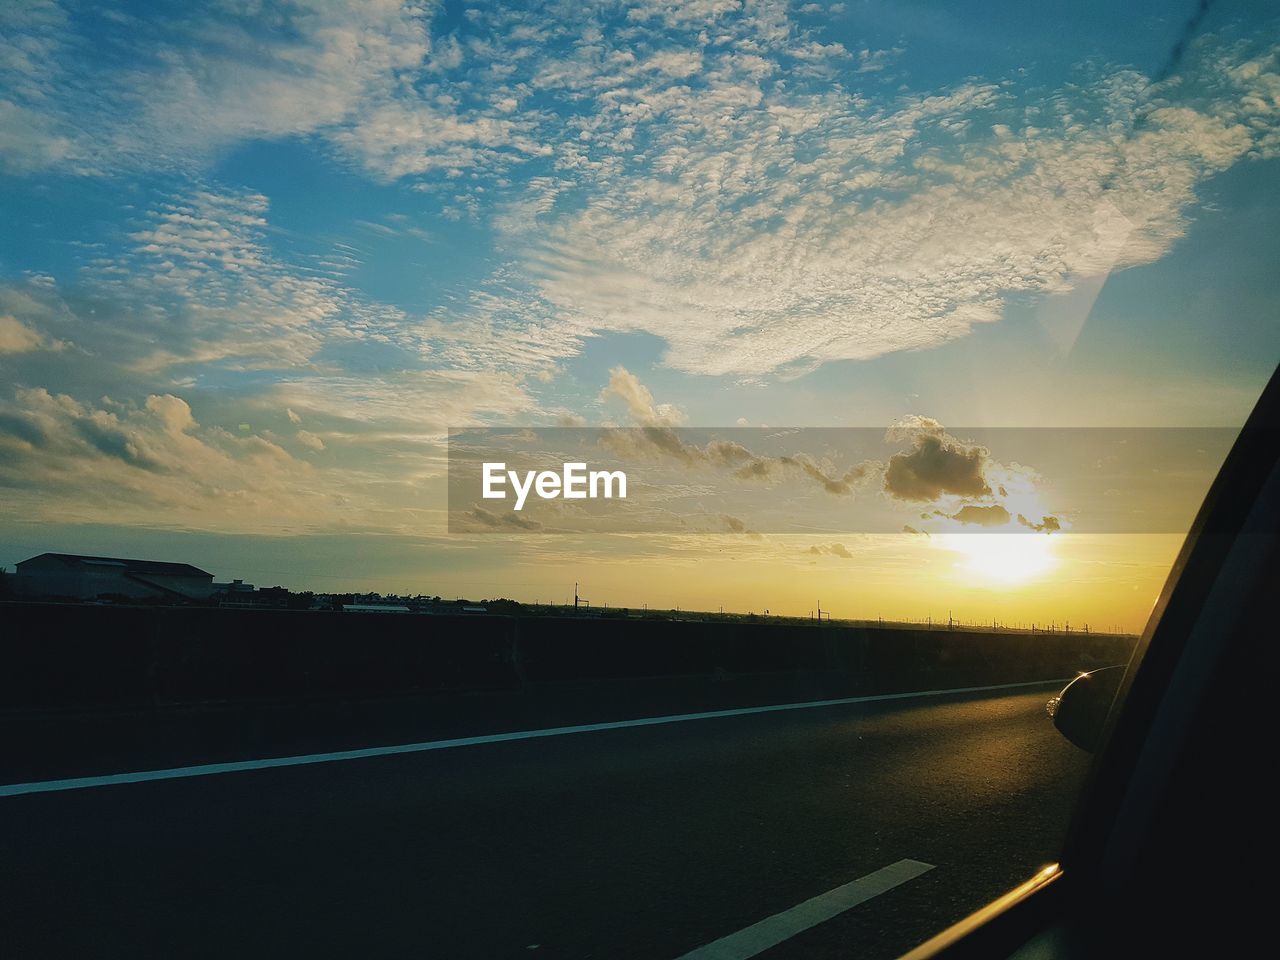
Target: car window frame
1228	550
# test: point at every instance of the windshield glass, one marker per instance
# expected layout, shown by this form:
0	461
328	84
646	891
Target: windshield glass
608	479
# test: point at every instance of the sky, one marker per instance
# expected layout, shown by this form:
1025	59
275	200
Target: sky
259	258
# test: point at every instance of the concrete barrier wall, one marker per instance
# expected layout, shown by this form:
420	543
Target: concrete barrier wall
58	656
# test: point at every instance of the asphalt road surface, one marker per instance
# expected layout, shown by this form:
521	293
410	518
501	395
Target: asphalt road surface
843	831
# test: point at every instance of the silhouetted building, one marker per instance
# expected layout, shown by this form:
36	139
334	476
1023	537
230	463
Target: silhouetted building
233	586
375	608
85	578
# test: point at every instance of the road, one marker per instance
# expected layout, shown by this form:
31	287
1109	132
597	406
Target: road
646	842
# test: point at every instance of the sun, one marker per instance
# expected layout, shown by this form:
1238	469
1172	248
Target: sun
1004	557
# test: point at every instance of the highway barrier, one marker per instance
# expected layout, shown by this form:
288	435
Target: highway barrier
90	689
75	656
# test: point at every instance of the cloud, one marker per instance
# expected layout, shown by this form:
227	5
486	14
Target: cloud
965	482
624	385
402	139
198	284
199	288
658	436
1046	524
992	515
758	467
197	310
728	192
150	464
310	440
841	485
764	226
16	337
247	71
419	405
155	464
871	61
831	549
30	141
715	174
937	465
508	520
736	525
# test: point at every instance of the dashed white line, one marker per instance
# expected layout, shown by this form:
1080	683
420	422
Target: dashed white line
771	931
240	766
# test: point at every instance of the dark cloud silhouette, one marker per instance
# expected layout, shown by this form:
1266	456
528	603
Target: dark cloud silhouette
507	520
755	467
831	550
936	465
735	525
657	434
665	441
984	516
1046	524
728	452
840	486
114	442
23	429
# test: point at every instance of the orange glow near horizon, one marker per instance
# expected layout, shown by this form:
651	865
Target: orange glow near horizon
1009	558
1108	582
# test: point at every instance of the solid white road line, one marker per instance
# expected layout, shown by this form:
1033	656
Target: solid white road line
238	766
770	932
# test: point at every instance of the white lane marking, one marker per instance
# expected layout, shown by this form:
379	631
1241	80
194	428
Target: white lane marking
238	766
771	931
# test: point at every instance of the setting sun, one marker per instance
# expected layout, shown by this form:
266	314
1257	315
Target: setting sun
1007	557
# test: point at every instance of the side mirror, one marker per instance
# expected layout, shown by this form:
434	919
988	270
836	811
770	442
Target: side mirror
1080	711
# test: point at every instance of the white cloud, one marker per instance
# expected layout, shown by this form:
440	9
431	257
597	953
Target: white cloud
30	141
152	463
419	405
201	286
246	71
871	61
689	176
626	386
16	337
310	440
769	231
399	139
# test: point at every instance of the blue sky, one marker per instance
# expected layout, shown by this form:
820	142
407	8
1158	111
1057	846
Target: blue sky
260	256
